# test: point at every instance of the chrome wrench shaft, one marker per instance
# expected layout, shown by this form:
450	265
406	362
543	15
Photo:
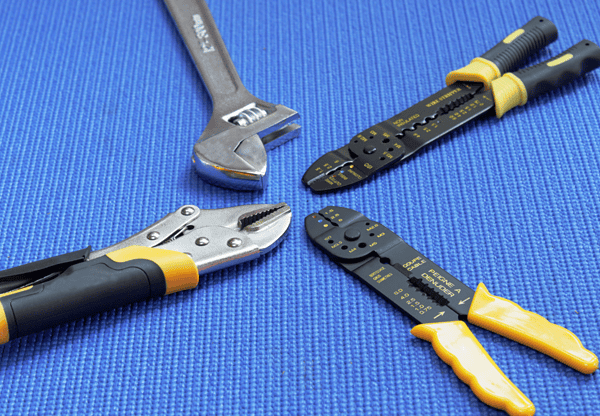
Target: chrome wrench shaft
231	152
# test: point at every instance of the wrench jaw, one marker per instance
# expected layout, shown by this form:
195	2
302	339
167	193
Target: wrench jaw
234	156
282	129
232	163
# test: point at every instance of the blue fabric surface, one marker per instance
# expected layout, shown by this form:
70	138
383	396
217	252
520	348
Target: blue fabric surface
100	106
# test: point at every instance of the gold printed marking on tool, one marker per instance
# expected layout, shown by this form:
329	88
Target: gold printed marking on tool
560	60
414	263
437	284
361	137
513	36
443	97
354	173
401	122
335	181
372	227
441	278
384	277
377	271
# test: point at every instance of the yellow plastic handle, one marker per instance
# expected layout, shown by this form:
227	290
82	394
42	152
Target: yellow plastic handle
456	345
509	92
479	70
179	269
511	321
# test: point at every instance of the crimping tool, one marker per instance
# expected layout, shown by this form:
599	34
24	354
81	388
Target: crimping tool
471	92
164	258
440	303
231	152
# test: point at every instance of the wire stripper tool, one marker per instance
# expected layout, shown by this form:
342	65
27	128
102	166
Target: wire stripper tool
441	304
231	152
471	92
167	257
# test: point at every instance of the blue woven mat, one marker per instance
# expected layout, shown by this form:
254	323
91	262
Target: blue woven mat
100	106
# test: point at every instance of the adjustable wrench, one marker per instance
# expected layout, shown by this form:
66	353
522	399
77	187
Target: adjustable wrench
231	152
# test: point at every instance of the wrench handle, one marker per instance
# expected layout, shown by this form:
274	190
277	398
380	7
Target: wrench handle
204	43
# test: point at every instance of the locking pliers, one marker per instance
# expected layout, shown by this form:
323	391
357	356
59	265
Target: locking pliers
164	258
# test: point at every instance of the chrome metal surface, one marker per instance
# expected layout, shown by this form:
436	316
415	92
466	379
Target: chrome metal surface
187	211
154	235
231	152
165	227
234	242
202	241
215	238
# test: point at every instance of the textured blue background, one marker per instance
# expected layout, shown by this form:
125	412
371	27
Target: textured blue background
100	106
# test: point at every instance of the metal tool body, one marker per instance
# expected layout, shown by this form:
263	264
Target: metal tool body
231	152
167	257
441	304
471	92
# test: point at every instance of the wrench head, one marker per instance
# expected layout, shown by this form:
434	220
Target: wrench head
235	156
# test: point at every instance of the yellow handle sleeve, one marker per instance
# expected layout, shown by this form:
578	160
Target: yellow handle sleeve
456	345
4	335
479	70
509	92
511	321
179	269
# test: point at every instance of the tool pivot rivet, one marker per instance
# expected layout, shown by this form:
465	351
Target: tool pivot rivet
153	235
187	211
202	241
234	242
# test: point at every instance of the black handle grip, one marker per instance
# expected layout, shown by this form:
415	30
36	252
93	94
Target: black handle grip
26	274
560	70
538	33
81	290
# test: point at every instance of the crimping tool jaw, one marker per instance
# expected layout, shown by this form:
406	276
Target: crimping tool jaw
231	152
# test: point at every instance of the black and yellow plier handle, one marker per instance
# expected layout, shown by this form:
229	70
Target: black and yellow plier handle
516	88
167	257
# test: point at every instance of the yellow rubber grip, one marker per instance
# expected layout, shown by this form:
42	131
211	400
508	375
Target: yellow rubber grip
456	345
509	92
4	336
479	70
179	269
508	319
4	333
